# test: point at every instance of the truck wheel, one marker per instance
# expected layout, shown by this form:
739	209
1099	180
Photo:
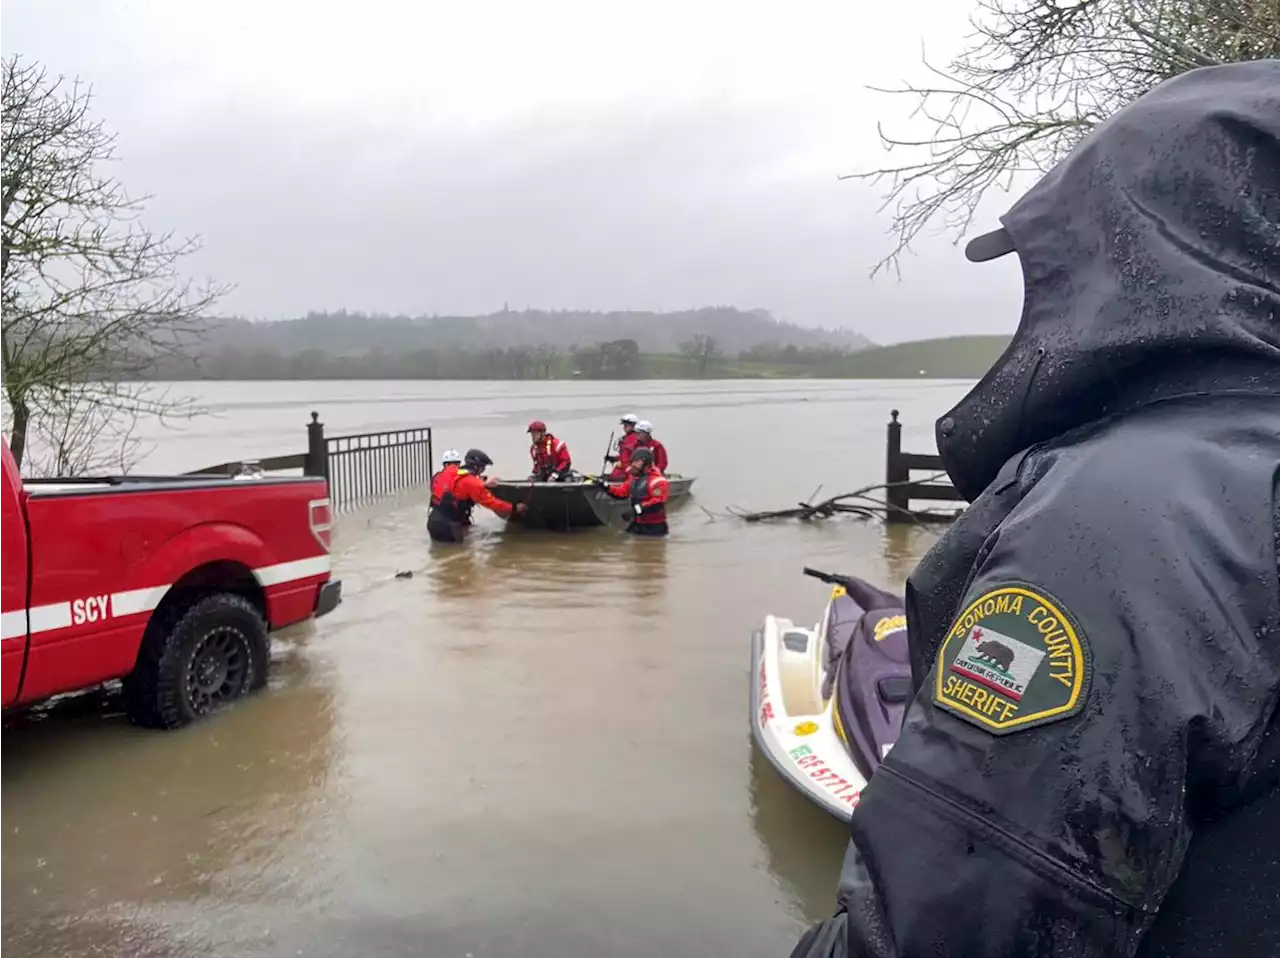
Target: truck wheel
195	658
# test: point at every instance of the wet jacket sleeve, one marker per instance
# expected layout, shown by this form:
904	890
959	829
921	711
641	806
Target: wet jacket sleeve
1061	836
659	456
626	446
473	488
561	462
620	488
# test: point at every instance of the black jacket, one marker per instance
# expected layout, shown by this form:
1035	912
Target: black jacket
1090	763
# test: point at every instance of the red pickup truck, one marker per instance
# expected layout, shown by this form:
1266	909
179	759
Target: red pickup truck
171	584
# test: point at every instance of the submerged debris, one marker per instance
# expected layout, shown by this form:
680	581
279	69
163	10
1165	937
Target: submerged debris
857	503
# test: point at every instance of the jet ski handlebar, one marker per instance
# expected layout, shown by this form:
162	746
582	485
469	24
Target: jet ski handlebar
828	577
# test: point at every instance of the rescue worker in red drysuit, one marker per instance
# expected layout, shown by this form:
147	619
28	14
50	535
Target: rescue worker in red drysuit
626	446
449	521
551	462
646	487
443	479
644	430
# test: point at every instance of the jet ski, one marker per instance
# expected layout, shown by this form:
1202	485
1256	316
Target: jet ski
827	702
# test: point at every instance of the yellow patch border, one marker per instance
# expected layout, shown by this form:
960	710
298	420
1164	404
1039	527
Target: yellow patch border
1080	663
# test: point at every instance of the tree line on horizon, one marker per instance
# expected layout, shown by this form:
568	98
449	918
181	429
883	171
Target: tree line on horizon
699	356
344	332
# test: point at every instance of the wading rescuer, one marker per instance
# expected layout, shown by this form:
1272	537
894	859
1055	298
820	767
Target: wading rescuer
626	446
644	429
551	462
443	479
1090	765
449	521
646	488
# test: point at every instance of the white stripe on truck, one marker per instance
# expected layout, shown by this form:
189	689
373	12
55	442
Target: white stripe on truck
137	600
292	571
46	618
96	608
13	624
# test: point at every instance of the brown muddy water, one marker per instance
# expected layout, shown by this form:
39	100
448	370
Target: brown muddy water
537	745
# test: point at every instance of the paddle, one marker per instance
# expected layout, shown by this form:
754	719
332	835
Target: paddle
604	465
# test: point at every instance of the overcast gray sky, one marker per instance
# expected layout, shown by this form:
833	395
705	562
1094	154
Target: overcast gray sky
428	158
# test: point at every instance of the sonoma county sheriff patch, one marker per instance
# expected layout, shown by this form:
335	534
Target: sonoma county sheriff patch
1014	659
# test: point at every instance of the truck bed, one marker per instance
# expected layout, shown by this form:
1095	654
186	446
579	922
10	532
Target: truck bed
122	484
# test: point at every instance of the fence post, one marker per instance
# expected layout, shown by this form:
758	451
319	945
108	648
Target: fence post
896	495
317	463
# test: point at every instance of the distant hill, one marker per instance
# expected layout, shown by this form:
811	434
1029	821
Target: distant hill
953	357
555	345
347	334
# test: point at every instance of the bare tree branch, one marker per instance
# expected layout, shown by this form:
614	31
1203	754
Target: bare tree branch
1035	79
90	298
701	350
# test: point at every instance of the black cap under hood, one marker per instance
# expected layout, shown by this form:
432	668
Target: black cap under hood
1151	267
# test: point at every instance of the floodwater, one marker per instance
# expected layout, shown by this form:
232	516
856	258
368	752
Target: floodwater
536	745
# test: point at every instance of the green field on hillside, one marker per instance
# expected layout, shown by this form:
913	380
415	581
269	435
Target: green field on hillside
953	357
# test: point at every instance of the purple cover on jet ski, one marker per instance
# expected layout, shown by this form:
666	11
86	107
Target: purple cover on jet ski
869	669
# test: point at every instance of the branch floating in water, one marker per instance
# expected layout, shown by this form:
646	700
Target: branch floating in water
840	505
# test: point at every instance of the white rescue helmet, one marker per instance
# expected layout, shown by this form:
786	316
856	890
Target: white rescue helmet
630	419
450	455
644	426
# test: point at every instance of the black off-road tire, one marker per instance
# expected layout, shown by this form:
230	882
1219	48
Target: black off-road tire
195	657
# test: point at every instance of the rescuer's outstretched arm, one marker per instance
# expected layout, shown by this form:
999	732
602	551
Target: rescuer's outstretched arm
478	490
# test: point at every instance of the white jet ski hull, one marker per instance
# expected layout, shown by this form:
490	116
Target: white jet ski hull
801	741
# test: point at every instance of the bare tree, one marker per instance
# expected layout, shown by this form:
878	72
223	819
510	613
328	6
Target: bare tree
545	360
520	362
1036	77
90	297
700	350
79	437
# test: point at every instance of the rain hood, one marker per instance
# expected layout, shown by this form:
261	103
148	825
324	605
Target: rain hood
1151	267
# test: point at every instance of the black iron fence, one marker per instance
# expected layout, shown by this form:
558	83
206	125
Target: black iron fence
900	489
369	466
360	468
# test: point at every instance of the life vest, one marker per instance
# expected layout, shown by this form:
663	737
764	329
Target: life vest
550	455
626	446
642	489
454	508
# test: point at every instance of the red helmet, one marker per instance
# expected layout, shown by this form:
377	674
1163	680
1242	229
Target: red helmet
537	426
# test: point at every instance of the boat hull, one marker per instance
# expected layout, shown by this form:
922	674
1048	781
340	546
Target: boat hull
561	506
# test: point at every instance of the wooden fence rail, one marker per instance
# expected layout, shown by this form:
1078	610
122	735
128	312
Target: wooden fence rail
899	487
